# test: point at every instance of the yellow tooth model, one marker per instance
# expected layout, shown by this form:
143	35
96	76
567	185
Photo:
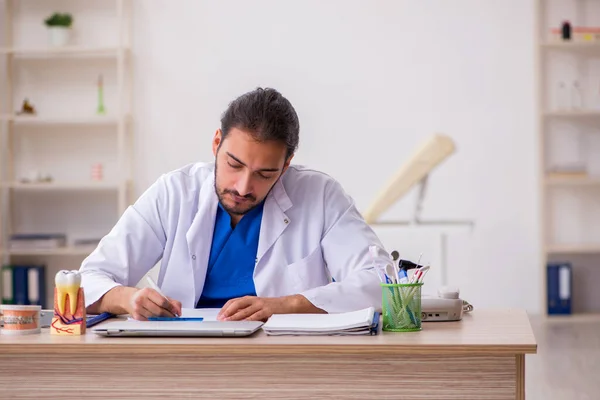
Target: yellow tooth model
69	305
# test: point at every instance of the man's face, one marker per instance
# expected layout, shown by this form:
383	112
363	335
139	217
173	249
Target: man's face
246	170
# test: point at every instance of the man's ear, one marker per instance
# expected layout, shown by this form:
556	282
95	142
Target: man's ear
287	164
217	141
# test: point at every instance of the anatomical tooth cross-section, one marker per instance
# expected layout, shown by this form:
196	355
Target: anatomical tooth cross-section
69	304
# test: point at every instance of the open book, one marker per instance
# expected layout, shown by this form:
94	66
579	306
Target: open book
361	322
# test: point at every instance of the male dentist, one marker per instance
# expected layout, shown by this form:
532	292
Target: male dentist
248	233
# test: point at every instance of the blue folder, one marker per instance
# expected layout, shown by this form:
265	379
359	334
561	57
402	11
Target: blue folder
560	287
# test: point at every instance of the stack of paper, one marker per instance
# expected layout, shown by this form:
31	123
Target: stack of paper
362	322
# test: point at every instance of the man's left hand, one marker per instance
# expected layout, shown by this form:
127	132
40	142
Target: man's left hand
252	308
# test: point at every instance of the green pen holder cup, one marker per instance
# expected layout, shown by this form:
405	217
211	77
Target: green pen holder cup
401	307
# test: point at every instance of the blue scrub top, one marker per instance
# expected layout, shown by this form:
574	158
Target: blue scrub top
232	258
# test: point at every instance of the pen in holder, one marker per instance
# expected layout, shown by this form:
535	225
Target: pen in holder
401	307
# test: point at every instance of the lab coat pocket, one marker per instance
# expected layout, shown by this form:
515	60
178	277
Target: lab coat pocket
310	271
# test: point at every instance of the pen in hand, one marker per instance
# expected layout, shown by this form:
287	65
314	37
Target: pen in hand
154	286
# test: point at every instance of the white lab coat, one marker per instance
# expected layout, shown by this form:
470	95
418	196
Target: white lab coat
310	231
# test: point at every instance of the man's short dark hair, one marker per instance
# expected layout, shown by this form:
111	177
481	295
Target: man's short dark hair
266	115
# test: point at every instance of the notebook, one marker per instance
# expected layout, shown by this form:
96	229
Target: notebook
360	322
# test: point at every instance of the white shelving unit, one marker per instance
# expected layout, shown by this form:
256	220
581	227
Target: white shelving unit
569	134
67	136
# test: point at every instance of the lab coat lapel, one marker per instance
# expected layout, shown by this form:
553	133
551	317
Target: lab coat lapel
274	220
199	238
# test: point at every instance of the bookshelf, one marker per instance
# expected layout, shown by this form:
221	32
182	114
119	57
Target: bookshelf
78	141
62	251
568	83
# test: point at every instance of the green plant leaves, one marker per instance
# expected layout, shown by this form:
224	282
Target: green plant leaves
58	19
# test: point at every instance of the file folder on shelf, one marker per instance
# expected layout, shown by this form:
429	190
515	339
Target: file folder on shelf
7	284
24	285
560	287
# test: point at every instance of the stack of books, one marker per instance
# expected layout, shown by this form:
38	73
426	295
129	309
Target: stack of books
37	241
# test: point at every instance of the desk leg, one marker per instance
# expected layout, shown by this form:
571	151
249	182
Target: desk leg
520	360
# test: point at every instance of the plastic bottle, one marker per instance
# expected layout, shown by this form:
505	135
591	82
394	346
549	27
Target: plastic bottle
563	102
576	98
566	30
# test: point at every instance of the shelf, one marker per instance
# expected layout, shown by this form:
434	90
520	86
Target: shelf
60	52
573	46
93	120
573	249
574	114
62	251
62	186
587	181
584	114
581	317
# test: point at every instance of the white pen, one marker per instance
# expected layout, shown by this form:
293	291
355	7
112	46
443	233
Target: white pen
154	286
419	260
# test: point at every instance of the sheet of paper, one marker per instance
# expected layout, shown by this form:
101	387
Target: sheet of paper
209	314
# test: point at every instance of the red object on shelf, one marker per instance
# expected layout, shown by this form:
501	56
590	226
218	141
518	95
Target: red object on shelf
97	172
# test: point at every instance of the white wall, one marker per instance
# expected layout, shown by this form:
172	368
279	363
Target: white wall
370	81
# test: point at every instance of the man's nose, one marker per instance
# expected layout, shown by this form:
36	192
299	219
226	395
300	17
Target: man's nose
244	185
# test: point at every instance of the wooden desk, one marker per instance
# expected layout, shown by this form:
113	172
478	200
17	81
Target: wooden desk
480	357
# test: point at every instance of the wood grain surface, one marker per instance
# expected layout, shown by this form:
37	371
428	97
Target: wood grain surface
329	376
481	357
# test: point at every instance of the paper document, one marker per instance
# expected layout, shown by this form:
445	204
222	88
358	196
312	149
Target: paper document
209	314
350	323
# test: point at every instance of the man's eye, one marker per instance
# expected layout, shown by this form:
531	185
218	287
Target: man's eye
235	166
264	176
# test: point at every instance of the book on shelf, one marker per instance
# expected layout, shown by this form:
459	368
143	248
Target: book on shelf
35	241
93	242
573	170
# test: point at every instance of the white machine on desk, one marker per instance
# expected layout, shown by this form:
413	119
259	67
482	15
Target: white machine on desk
446	306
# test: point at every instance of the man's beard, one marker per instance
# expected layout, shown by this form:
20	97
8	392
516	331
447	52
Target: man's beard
233	210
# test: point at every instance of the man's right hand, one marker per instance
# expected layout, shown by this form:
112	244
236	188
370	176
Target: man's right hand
147	302
139	303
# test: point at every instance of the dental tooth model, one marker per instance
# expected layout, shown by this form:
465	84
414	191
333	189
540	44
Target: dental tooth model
69	305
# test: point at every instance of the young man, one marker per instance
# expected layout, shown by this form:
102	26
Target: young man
249	233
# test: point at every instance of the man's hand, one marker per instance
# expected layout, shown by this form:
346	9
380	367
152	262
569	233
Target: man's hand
147	302
252	308
139	303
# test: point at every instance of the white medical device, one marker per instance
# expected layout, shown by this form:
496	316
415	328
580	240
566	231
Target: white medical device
447	306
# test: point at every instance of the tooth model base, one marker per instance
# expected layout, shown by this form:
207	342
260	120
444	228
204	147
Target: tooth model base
68	323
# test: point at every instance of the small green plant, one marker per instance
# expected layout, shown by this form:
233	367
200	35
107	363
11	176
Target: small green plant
57	19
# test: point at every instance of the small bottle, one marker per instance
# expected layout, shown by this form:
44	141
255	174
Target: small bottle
576	98
563	98
566	30
97	172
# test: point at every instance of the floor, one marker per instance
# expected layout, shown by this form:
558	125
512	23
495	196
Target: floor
567	365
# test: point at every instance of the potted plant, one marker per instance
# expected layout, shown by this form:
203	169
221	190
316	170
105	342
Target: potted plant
59	26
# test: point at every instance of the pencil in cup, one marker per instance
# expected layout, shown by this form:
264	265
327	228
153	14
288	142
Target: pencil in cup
401	307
